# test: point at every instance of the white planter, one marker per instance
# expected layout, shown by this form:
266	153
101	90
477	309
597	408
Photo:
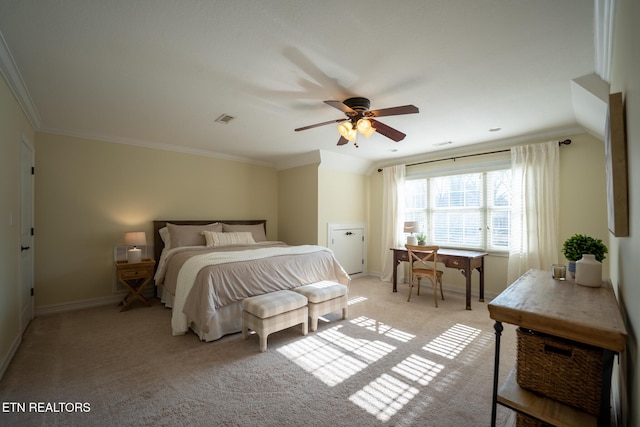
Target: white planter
589	271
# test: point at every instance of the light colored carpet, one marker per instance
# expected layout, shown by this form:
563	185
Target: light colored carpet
392	363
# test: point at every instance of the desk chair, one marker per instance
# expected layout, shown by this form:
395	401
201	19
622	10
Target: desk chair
423	262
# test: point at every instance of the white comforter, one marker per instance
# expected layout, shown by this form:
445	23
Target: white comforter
189	271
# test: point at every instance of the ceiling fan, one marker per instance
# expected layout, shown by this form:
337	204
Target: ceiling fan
360	119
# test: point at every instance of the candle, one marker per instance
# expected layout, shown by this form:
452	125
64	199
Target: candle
559	271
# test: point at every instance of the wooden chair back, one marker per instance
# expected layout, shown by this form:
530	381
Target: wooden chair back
426	257
423	263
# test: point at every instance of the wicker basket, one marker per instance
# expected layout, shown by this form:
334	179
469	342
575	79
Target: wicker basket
526	421
563	370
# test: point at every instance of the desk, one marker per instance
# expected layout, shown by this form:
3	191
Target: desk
563	309
463	260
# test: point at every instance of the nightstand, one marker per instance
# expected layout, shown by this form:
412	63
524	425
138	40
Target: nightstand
134	277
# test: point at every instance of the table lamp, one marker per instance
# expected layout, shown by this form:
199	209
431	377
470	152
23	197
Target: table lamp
135	238
411	227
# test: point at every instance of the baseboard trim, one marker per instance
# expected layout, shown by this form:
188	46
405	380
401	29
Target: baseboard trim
9	356
77	305
475	292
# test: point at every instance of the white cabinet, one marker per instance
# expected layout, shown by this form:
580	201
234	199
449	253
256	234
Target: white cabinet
347	241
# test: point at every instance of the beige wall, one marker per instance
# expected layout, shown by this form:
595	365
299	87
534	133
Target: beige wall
582	190
311	197
625	251
89	193
298	205
342	199
13	125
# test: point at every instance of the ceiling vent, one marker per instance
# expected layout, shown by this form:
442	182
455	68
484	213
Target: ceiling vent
224	119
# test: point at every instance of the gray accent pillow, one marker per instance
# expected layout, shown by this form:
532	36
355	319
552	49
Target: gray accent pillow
257	230
190	235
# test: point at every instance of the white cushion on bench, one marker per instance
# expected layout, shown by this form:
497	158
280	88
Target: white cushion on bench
273	303
322	291
324	297
273	312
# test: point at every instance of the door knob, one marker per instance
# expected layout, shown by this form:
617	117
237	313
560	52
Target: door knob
25	248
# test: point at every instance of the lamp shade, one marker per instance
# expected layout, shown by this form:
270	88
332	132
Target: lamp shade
410	226
135	238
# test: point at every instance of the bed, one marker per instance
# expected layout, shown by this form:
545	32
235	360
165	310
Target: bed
205	268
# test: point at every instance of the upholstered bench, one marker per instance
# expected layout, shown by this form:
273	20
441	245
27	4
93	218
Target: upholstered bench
324	297
273	312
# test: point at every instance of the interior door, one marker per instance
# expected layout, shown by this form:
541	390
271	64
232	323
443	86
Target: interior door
26	233
348	248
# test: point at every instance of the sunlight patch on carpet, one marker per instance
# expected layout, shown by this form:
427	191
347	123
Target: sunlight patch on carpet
453	341
356	300
418	369
381	328
332	356
384	397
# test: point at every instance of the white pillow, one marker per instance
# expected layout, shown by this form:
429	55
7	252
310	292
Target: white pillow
214	238
164	235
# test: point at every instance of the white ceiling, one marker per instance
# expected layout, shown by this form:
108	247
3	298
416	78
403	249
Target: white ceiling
159	72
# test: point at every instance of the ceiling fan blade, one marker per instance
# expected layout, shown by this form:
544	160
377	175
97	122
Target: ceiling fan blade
387	131
343	140
393	111
320	124
340	106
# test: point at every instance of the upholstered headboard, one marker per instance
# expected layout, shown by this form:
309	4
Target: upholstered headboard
158	244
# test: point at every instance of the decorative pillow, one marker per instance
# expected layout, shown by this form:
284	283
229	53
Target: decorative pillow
257	230
214	238
190	235
164	235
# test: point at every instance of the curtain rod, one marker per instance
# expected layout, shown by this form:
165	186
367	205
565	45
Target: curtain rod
560	143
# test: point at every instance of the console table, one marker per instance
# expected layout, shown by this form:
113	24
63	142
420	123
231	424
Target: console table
566	310
464	260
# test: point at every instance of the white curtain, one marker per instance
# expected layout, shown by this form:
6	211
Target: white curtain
392	219
534	212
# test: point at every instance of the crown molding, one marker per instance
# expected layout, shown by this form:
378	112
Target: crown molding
155	146
12	76
505	143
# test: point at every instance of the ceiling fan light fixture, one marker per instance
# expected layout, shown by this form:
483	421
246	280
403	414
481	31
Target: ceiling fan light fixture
360	120
347	131
365	128
369	132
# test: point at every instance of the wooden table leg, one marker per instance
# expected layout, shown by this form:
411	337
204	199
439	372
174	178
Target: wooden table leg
133	294
466	271
481	271
396	261
496	365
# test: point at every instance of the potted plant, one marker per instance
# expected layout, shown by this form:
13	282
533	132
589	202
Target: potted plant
577	245
421	239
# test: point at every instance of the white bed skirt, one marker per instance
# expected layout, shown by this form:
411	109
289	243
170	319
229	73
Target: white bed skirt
227	320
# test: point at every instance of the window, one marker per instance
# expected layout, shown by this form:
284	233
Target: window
469	210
